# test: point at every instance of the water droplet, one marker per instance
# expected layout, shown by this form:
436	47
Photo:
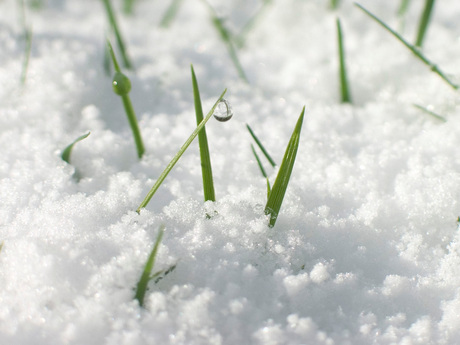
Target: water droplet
223	111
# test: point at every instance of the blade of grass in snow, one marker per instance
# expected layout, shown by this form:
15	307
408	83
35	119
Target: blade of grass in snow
113	23
240	39
28	41
334	4
344	89
162	274
262	148
206	169
227	39
262	170
68	150
173	162
402	10
429	112
170	13
278	191
423	24
128	6
1	246
121	86
411	47
143	283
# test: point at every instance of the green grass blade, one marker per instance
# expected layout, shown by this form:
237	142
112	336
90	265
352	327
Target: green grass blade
334	4
173	162
429	112
28	40
262	148
403	7
240	39
423	24
227	39
68	150
128	6
278	191
344	89
1	246
113	23
261	167
142	285
206	169
122	86
411	47
170	13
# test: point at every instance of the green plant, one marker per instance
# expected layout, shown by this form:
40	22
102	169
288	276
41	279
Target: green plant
429	112
128	6
68	150
174	160
114	24
275	199
241	38
411	47
28	40
142	285
206	169
170	13
334	3
262	148
122	86
423	24
262	170
227	39
344	89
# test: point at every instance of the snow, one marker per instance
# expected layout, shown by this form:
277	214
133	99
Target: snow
366	249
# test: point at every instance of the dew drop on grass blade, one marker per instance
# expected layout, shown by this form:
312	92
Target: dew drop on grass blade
174	160
411	47
206	168
429	112
223	111
68	150
142	285
278	191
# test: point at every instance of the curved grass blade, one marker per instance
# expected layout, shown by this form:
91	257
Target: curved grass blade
278	191
142	285
173	162
411	47
344	88
423	24
206	169
68	150
121	45
122	86
429	112
262	148
170	13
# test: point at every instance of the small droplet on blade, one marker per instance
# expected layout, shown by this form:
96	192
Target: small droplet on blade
223	111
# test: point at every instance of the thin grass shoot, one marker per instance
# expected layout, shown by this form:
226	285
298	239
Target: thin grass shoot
122	86
423	23
206	168
170	13
128	6
142	285
181	151
262	148
276	196
227	39
411	47
249	26
402	11
28	43
430	112
344	87
68	150
120	42
334	4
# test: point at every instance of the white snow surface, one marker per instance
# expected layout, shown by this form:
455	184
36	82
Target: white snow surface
366	249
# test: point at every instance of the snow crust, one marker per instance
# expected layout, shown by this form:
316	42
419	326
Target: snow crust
366	249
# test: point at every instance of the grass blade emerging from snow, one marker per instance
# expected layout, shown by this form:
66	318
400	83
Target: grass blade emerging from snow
261	167
344	88
278	191
170	13
143	283
122	86
429	112
423	24
206	169
262	148
173	162
411	47
227	39
113	23
68	150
